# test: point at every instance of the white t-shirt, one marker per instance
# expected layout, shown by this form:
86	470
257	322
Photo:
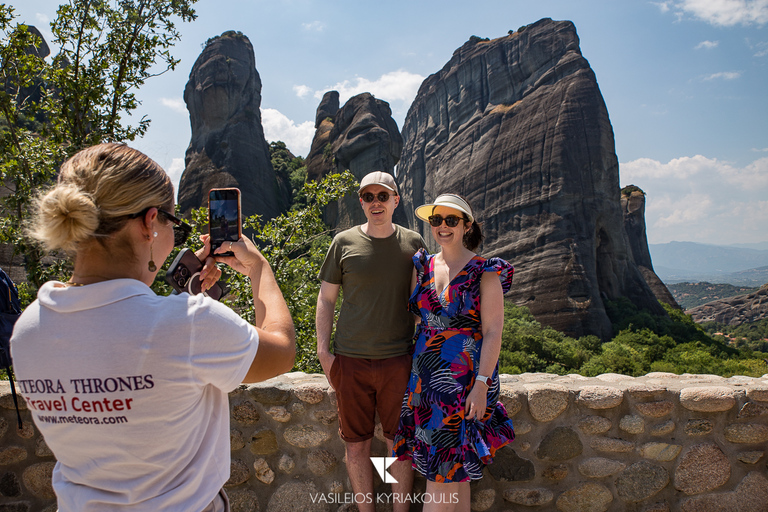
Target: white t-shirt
129	390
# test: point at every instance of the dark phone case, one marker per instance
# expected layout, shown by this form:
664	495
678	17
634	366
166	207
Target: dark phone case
182	276
218	242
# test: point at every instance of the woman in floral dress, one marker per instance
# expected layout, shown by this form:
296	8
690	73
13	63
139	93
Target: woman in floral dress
452	422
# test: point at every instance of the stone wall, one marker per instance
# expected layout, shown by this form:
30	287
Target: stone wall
661	442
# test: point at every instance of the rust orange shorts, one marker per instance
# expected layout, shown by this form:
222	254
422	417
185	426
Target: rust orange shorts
365	387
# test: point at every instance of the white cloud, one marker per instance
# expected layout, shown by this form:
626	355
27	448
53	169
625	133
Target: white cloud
175	170
302	90
396	85
760	49
702	199
760	150
724	75
707	45
663	6
297	137
726	12
315	26
175	104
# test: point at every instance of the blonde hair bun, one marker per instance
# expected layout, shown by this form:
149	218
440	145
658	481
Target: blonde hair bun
66	216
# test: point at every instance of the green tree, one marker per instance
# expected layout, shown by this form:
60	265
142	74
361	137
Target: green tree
108	49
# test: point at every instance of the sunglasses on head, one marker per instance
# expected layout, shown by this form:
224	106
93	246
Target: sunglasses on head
181	229
368	197
450	220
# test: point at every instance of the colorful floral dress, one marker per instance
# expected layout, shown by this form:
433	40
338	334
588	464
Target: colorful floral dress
433	433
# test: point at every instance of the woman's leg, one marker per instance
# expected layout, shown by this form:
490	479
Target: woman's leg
453	497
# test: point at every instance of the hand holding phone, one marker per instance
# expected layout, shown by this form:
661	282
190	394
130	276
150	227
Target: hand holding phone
184	276
224	218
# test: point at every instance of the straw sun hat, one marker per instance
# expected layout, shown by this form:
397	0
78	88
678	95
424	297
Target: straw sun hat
451	201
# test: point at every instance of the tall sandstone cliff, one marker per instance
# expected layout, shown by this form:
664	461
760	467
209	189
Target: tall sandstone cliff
362	137
228	148
519	127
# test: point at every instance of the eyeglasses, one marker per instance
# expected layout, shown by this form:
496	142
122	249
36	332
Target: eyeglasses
181	229
367	197
451	220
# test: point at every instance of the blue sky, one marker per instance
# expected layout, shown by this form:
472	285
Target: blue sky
685	82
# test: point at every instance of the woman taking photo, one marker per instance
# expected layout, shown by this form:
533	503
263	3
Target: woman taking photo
452	423
129	388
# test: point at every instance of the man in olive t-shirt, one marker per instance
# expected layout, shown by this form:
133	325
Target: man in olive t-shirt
371	362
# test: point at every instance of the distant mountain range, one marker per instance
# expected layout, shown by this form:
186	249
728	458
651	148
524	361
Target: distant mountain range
740	265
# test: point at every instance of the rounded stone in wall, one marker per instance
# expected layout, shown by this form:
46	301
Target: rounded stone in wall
657	409
27	430
662	429
703	467
321	462
594	425
263	472
600	397
759	393
555	473
750	457
12	455
264	442
746	433
591	496
10	486
509	467
292	497
238	473
326	417
245	413
279	413
41	448
482	500
632	424
641	481
547	401
310	393
37	479
286	463
269	393
305	436
708	399
660	451
698	427
529	497
600	467
611	445
236	439
243	500
511	401
561	443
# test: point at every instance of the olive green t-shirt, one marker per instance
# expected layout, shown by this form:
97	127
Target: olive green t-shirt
375	277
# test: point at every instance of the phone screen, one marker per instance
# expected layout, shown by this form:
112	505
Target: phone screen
224	223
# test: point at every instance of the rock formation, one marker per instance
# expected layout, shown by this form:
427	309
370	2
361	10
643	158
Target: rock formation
633	206
737	310
228	148
519	127
360	136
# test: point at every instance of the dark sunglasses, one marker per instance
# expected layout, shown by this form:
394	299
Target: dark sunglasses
181	229
451	220
383	197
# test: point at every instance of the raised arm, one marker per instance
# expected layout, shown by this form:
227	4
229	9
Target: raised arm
277	336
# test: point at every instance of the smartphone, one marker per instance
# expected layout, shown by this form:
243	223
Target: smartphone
184	276
224	217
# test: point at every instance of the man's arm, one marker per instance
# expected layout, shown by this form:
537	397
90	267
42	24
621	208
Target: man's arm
326	307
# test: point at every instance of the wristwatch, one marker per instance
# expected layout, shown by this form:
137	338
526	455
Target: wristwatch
485	380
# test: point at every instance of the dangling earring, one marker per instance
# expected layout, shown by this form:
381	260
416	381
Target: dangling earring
152	267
